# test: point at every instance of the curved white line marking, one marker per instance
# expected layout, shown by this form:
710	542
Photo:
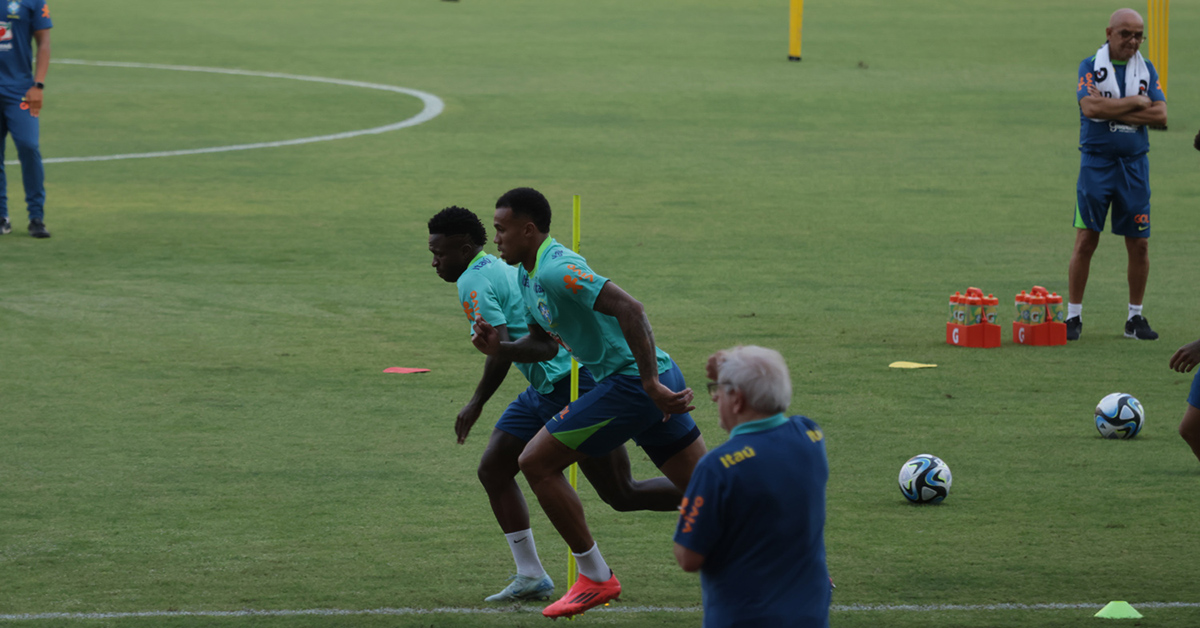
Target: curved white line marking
433	107
325	612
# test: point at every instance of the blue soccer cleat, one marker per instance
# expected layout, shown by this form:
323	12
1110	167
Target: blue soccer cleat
525	588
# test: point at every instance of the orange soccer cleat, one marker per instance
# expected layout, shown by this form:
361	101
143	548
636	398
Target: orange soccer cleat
586	594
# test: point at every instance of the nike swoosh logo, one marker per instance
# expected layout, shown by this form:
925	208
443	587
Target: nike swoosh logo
1143	227
520	540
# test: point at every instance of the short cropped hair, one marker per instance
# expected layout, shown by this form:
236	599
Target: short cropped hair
455	220
529	203
761	375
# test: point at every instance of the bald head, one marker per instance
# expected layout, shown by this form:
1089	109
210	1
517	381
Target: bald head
1120	16
1125	32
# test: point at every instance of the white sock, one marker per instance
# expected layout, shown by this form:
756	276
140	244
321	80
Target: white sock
1134	310
1074	309
525	554
592	565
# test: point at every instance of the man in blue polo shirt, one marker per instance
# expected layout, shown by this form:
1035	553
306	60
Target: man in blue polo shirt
752	521
1119	95
21	85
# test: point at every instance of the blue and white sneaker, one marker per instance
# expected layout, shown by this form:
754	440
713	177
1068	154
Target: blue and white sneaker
525	588
5	226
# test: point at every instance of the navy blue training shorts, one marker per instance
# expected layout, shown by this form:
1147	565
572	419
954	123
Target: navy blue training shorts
531	409
1123	183
618	409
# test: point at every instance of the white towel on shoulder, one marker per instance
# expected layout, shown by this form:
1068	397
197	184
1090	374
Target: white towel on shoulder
1137	76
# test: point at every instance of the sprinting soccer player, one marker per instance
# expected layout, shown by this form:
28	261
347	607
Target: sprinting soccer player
488	287
752	521
640	392
1184	360
26	21
1118	96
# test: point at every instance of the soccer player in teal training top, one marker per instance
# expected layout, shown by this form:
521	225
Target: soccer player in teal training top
753	519
640	392
488	287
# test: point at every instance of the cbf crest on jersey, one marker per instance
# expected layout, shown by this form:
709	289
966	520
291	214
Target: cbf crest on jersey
544	310
14	9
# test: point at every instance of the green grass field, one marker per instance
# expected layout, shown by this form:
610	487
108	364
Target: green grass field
193	414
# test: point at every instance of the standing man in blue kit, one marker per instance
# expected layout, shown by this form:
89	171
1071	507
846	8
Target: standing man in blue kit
1119	95
21	85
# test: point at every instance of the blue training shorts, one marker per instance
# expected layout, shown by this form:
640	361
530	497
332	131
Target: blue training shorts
1123	182
619	409
531	409
1194	396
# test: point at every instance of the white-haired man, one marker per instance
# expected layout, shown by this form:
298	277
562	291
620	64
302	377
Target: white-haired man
753	518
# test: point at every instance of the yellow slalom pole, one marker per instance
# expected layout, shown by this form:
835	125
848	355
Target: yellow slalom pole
796	25
573	471
1159	12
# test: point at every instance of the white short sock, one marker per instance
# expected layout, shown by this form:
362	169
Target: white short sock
1134	310
1074	309
592	565
525	554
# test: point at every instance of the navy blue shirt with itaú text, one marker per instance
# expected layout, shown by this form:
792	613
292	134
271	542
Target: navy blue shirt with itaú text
755	509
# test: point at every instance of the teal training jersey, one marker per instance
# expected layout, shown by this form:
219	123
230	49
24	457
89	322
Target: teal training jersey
489	287
559	295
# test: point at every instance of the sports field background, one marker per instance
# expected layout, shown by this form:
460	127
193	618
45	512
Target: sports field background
193	414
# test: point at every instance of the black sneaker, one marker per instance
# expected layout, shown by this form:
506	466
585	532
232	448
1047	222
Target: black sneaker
1138	327
37	229
5	226
1075	327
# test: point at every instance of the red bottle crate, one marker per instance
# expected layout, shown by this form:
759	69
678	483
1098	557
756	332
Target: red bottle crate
1040	335
981	336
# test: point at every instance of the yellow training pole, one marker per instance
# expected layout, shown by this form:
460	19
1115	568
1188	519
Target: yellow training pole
1159	36
795	25
573	472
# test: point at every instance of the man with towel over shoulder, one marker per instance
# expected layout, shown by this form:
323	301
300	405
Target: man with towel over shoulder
1119	95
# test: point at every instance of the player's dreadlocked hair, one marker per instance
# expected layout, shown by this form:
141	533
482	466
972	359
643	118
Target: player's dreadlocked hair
530	203
455	220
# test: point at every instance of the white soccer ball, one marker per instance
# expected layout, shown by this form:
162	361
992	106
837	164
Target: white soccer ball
925	479
1119	416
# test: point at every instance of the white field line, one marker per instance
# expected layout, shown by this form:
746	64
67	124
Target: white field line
837	608
433	107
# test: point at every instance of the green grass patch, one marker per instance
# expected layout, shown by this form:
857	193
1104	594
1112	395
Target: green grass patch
193	414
